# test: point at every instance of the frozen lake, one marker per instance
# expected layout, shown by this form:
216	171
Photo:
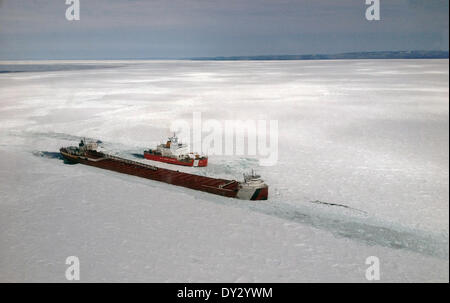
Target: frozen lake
372	135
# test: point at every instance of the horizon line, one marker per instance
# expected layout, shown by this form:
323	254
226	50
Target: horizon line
415	54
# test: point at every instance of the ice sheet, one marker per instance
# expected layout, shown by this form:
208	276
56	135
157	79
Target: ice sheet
368	134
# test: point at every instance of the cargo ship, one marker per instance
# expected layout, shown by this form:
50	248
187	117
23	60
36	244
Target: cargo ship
177	153
252	188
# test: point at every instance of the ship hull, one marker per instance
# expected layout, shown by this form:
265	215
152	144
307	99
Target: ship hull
191	162
222	187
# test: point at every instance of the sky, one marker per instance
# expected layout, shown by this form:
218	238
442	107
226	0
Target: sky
151	29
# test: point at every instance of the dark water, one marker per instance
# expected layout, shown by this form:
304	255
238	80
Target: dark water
139	156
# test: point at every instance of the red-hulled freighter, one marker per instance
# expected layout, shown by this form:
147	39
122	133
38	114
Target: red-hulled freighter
174	152
253	188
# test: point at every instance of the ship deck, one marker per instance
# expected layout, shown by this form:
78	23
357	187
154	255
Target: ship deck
222	187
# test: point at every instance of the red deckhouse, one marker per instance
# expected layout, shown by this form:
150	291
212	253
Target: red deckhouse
177	153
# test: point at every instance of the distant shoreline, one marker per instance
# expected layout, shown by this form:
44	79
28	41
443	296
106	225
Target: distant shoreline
341	56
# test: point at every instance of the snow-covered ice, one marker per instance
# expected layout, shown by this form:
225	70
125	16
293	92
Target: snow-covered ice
372	135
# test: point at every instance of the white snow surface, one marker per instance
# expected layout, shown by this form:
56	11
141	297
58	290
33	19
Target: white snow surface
372	135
